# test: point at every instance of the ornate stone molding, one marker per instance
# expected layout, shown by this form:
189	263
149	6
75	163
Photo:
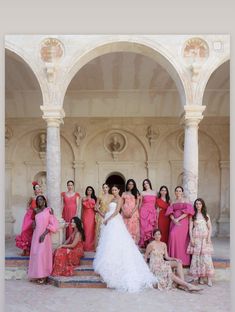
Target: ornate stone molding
40	144
53	115
151	135
195	53
193	115
51	52
115	142
79	134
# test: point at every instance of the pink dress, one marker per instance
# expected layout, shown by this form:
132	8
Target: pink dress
69	210
132	221
88	220
179	234
148	219
23	241
40	261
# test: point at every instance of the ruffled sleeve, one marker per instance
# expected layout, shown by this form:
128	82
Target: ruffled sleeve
188	209
78	195
53	225
169	211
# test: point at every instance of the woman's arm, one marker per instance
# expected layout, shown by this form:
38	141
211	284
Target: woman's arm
140	201
116	212
137	202
147	252
184	215
166	256
77	204
209	229
77	238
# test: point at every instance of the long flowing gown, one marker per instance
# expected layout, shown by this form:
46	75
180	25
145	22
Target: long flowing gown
148	219
23	241
201	263
69	210
40	260
65	259
104	202
160	267
179	234
88	220
132	221
118	259
163	221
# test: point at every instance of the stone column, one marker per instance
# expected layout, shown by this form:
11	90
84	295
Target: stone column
9	219
192	117
223	222
54	117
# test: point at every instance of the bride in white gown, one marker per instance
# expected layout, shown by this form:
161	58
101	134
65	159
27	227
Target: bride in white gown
118	259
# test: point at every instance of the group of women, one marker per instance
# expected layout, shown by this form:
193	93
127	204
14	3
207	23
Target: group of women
119	228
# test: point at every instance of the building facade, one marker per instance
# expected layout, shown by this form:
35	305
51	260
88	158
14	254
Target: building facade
96	108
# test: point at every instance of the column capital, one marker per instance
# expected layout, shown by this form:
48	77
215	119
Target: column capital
53	115
192	115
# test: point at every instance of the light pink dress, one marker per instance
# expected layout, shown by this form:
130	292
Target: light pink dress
148	219
132	221
179	234
40	261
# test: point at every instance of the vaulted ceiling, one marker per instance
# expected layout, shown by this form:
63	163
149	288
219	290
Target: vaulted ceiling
120	83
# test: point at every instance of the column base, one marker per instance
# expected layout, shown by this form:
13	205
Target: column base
223	227
58	238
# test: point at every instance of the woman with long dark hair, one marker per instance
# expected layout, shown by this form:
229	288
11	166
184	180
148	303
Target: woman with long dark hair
130	212
40	260
179	212
67	256
200	245
101	208
23	241
148	214
162	203
88	218
70	204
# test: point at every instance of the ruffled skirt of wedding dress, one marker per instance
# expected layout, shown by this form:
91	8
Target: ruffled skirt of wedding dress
119	261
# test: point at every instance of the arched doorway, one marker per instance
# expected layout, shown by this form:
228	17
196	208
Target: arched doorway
117	179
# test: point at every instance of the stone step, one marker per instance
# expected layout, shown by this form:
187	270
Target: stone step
81	281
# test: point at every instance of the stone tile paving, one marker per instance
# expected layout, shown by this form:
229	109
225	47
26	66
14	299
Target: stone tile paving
23	296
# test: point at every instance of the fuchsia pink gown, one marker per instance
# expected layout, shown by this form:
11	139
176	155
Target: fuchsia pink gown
23	241
40	261
148	219
179	234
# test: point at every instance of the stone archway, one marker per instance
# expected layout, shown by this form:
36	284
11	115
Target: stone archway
116	178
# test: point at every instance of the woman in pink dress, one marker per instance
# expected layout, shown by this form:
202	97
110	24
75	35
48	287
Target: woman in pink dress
40	261
130	212
179	212
148	215
163	222
67	256
88	218
70	203
23	241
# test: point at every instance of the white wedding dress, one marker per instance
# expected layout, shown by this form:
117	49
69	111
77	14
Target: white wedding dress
118	259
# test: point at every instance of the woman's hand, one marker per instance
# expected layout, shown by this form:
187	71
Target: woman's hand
41	238
34	225
105	222
208	240
176	221
192	242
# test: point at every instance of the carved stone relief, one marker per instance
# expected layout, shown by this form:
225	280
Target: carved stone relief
115	143
79	134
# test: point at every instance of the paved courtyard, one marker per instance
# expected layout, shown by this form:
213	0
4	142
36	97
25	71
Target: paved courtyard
23	296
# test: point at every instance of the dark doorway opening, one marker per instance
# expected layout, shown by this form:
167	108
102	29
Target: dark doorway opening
118	180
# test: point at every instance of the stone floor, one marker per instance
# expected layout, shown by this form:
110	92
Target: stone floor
23	296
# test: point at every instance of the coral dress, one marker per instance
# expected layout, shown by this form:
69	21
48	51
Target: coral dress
40	260
88	220
160	267
65	259
132	221
163	221
23	241
69	210
104	202
148	218
201	263
179	234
